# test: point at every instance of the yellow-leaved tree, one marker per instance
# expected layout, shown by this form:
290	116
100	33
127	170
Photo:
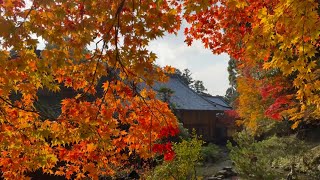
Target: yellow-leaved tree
276	44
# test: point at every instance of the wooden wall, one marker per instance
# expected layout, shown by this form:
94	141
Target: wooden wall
205	123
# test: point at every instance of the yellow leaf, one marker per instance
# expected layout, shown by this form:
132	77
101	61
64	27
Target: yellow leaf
295	124
91	147
105	86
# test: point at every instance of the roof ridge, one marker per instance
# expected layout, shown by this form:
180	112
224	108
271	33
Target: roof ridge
210	102
213	103
221	100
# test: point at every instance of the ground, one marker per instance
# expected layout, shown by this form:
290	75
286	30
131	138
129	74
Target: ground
207	170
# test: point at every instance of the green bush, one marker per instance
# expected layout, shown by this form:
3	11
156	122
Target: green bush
311	162
182	167
265	159
210	153
183	132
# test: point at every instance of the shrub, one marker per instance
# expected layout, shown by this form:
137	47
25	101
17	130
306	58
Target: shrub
188	154
183	132
210	153
311	162
258	159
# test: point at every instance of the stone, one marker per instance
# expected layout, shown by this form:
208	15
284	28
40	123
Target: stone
222	172
220	176
211	178
227	168
214	178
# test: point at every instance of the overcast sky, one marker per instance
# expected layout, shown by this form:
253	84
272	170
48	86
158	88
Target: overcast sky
209	68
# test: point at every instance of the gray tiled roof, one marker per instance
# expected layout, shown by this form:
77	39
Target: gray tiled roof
185	98
218	101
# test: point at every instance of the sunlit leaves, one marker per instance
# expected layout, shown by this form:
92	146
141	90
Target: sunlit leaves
277	38
94	62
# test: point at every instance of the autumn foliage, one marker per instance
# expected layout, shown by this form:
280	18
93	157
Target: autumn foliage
276	44
100	126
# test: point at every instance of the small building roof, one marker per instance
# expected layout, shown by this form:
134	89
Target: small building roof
185	98
219	101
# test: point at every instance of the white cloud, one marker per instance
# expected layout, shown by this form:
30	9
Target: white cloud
209	68
214	77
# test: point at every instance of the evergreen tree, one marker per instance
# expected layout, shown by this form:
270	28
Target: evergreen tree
196	85
199	87
231	93
185	76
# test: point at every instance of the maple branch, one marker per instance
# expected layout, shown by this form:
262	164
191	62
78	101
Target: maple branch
100	106
145	102
138	93
116	17
280	15
133	9
27	15
14	106
45	115
4	115
150	137
41	114
303	24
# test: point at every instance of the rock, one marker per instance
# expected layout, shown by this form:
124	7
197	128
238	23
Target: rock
220	176
227	168
229	173
211	178
222	172
214	178
226	172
